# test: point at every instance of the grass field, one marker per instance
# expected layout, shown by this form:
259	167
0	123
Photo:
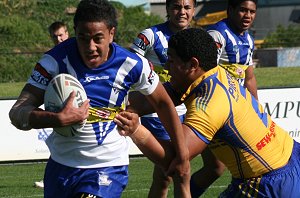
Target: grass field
16	180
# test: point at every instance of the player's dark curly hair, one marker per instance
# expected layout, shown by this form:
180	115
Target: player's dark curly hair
96	11
235	3
195	42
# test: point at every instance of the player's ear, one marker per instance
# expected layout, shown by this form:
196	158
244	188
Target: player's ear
112	32
194	63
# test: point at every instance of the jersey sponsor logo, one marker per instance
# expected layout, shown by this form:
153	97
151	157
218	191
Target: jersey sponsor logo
103	180
40	75
151	65
232	86
241	43
141	41
268	137
219	45
93	78
151	77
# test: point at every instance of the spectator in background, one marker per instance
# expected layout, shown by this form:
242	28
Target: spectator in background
152	43
58	32
235	49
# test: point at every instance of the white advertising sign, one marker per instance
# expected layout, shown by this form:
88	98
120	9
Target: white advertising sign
284	107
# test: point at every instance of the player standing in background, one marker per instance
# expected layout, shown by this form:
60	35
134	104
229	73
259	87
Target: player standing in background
235	44
94	162
235	49
152	43
263	159
58	32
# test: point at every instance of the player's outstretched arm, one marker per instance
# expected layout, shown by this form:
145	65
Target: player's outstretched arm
129	126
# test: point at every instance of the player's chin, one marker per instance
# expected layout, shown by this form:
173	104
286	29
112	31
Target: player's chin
183	24
92	62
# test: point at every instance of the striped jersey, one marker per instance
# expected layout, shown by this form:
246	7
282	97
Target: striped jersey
97	144
152	43
235	50
228	118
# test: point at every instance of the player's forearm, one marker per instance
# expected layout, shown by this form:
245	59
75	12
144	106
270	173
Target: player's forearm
44	119
169	117
250	84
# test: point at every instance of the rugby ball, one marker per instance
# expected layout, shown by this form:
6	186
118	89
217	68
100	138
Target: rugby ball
56	95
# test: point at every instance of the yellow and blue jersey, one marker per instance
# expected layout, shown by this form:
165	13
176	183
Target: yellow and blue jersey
233	124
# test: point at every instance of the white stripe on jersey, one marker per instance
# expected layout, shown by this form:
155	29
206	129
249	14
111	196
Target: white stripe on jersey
123	71
250	53
232	39
162	39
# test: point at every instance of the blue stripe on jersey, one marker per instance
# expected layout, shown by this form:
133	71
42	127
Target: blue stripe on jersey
262	115
161	32
102	129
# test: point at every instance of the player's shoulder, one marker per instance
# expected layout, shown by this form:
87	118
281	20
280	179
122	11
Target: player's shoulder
125	53
220	26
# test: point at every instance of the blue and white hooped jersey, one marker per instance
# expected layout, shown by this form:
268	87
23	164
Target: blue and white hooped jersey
97	144
152	43
234	51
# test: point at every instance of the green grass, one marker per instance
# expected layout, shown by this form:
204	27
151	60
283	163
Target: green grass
16	180
268	77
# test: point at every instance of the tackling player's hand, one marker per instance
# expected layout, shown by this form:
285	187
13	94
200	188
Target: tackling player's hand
127	122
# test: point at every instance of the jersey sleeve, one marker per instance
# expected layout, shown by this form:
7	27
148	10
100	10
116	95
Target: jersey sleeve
148	79
143	42
44	70
220	41
207	114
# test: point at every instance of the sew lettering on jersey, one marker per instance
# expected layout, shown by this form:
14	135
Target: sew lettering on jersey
268	137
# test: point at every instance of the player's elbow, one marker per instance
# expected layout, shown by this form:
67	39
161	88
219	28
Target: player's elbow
19	117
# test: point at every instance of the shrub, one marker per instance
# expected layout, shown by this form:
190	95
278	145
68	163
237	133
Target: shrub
283	37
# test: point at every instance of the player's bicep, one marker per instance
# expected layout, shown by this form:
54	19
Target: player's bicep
194	143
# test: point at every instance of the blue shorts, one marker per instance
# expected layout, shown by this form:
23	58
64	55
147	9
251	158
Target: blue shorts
65	182
154	125
281	183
